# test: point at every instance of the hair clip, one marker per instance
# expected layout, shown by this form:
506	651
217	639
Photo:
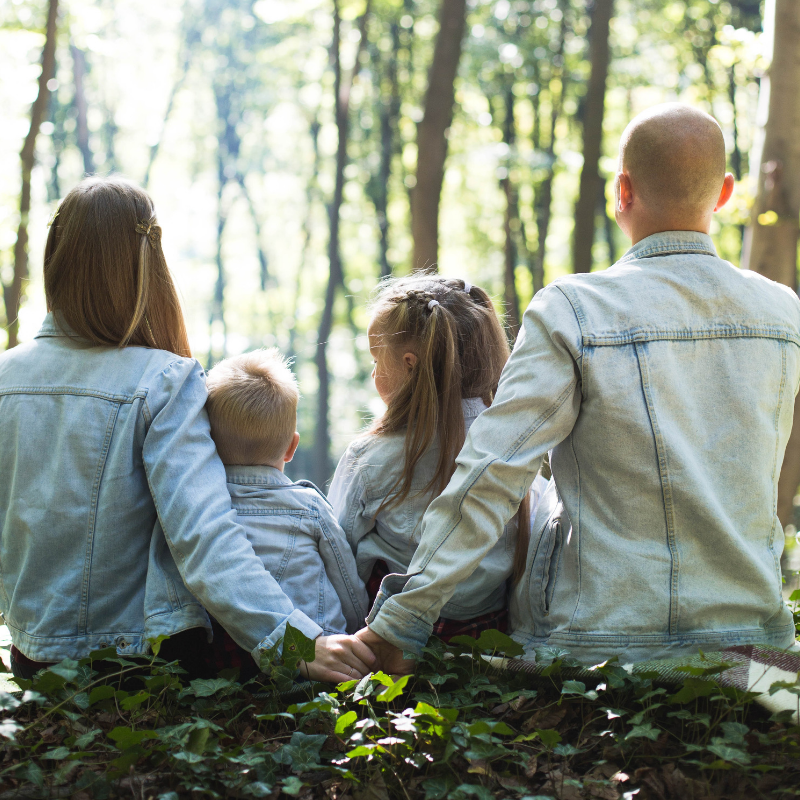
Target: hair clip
53	218
151	231
431	304
467	287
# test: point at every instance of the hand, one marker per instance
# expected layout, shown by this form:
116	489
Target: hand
338	658
390	658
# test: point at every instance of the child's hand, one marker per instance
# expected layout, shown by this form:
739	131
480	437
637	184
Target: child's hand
338	658
390	658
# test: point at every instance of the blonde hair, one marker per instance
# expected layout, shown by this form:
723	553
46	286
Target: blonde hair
105	275
461	349
252	407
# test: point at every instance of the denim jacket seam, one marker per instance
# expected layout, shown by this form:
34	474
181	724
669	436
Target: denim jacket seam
666	491
678	248
83	612
778	408
716	332
510	452
580	318
75	391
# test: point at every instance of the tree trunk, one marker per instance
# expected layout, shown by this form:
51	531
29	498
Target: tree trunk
771	238
12	293
432	134
342	90
510	297
586	207
81	108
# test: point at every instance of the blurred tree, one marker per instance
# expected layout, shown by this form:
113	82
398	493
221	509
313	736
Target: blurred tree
81	107
594	108
432	134
343	87
12	292
772	236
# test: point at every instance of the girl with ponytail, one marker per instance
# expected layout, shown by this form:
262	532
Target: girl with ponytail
439	348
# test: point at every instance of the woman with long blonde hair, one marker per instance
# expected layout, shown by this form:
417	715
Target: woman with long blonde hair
115	521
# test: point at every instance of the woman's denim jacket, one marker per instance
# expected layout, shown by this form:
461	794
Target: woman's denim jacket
294	532
97	445
366	475
666	387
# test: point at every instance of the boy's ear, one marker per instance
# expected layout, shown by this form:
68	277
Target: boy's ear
727	191
409	361
624	191
292	447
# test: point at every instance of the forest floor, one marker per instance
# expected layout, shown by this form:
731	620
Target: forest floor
457	729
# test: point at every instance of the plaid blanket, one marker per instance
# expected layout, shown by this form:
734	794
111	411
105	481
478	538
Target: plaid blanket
751	668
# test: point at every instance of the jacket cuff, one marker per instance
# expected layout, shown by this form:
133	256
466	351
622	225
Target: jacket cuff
297	619
399	627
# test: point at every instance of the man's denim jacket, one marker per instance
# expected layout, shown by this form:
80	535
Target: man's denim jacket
666	387
97	444
366	475
295	534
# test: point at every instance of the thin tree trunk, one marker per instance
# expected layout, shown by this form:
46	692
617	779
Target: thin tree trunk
263	261
432	134
342	90
12	293
772	236
586	207
218	300
510	297
81	108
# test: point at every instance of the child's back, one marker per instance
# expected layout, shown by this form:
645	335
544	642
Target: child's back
252	407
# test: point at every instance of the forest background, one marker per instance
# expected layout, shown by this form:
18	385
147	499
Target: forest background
294	149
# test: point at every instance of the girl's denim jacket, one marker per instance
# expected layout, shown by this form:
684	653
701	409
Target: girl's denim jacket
97	446
666	387
366	475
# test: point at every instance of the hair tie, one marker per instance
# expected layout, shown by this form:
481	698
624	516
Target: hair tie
151	231
467	287
432	304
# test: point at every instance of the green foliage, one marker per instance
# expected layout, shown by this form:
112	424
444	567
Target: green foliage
459	728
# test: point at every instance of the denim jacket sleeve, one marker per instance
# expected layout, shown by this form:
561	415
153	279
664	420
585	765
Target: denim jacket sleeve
340	567
535	408
211	550
348	496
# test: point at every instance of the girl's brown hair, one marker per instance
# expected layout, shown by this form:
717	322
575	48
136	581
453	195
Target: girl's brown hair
461	349
105	276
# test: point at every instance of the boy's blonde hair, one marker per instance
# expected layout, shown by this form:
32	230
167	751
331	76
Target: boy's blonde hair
252	407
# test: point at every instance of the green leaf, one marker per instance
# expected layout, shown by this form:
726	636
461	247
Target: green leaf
735	732
57	753
395	690
693	688
8	702
472	790
302	752
437	788
209	687
567	750
292	785
84	741
345	721
101	693
67	669
135	700
33	773
126	738
9	728
727	752
197	740
500	644
794	597
549	738
297	647
646	731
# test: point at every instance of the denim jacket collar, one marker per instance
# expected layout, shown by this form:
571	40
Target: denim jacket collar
670	243
51	328
256	476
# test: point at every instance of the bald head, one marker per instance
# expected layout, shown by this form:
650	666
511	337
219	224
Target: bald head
675	157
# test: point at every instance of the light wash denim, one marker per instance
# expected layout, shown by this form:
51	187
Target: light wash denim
97	445
367	474
665	386
295	534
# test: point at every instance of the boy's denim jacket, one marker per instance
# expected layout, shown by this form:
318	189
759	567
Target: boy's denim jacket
294	532
666	387
366	475
97	445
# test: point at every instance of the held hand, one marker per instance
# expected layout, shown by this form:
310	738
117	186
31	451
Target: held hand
390	658
338	658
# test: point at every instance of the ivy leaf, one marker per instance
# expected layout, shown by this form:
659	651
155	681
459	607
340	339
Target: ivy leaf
57	753
102	693
693	688
302	752
735	732
292	785
84	741
8	702
395	690
297	647
549	738
345	721
437	788
645	731
209	687
197	741
471	790
67	669
9	728
126	738
727	752
499	643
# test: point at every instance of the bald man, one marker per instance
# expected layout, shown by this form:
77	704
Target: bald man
664	387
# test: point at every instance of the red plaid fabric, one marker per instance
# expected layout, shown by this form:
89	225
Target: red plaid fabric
226	654
445	629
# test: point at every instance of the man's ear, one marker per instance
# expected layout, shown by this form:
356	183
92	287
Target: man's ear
292	447
409	361
727	191
624	191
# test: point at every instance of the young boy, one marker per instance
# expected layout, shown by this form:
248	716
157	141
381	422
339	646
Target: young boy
663	385
252	407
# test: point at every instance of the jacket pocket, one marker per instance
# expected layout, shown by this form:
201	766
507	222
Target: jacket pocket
550	567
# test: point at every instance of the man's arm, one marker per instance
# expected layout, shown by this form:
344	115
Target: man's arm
536	407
